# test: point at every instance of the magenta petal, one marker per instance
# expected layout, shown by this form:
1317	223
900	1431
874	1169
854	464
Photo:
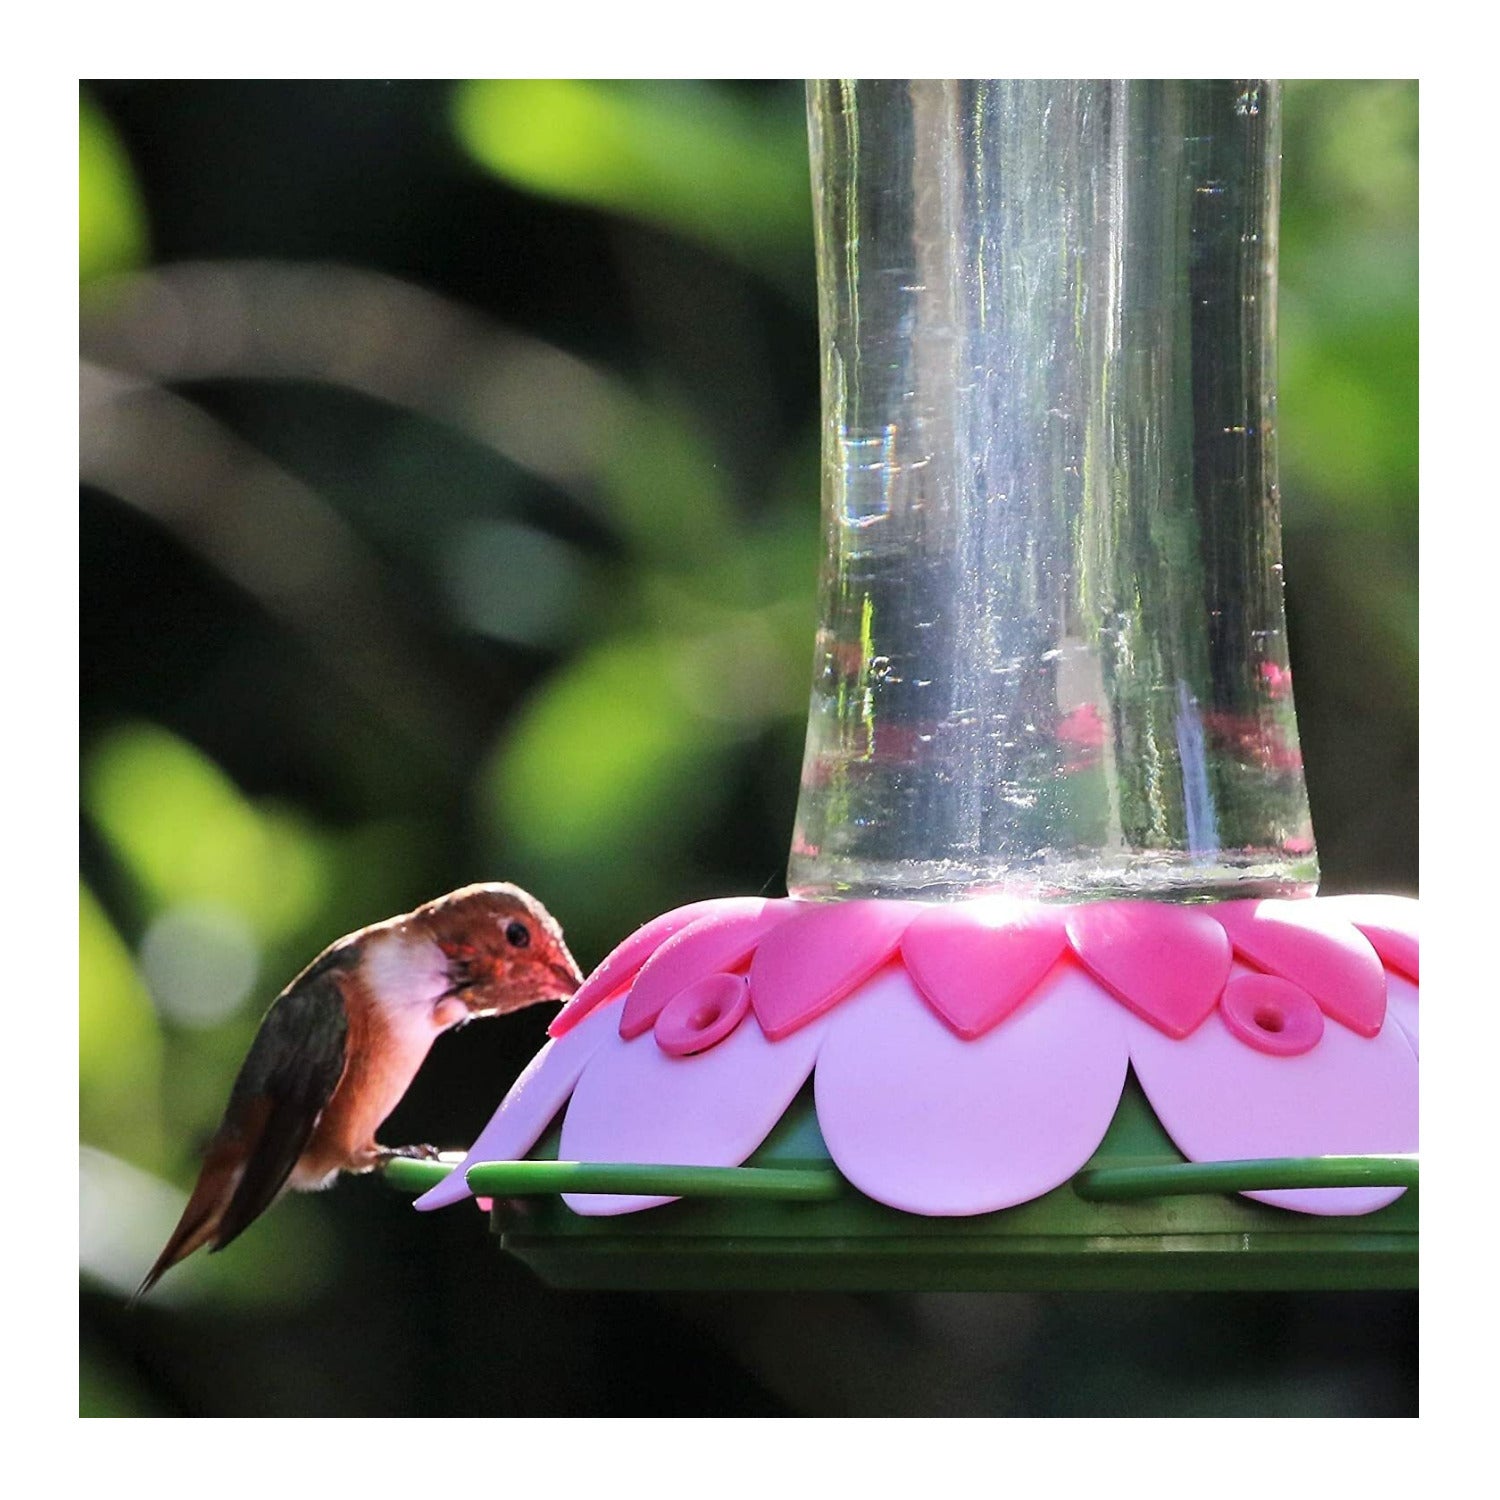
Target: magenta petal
927	1123
620	966
1390	923
701	1015
714	944
1167	963
1270	1014
634	1103
974	963
1319	949
530	1106
809	963
1401	998
1220	1100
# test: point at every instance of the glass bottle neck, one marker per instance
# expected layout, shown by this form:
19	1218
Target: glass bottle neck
1052	650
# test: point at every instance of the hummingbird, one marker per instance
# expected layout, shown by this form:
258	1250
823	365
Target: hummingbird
341	1044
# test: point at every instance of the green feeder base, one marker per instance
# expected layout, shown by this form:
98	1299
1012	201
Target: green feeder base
1138	1217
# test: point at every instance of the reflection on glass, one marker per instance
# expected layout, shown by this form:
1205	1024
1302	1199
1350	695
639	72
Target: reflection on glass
1052	655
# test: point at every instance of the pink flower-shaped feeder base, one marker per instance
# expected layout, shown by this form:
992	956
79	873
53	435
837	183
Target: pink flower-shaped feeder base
966	1058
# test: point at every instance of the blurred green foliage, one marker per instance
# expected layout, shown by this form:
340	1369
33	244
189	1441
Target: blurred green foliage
120	1081
1348	311
1348	431
111	221
688	156
186	833
579	653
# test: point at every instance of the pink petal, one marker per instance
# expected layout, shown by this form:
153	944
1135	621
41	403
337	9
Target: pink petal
1401	998
1220	1100
1167	963
530	1106
620	966
1319	949
714	944
634	1103
1390	923
808	964
927	1123
975	962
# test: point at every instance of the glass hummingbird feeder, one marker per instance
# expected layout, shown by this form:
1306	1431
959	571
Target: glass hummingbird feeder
1052	1002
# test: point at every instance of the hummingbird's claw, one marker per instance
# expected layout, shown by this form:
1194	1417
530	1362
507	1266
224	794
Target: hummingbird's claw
409	1153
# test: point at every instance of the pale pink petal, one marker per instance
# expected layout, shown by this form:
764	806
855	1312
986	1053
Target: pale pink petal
1167	963
928	1123
1220	1100
634	1103
714	944
1390	923
530	1106
620	967
1317	948
808	964
1401	998
977	961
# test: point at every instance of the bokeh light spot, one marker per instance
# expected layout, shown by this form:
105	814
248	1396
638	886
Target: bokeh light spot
512	582
200	962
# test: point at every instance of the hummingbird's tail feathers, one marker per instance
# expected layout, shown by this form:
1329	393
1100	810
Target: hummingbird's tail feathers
276	1130
199	1224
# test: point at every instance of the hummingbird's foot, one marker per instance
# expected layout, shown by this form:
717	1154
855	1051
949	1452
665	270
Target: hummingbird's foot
406	1153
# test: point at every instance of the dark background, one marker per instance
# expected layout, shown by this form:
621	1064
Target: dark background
447	448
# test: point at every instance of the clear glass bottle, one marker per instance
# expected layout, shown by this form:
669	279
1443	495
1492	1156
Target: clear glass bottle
1052	654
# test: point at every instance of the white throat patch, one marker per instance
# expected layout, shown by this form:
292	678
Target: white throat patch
406	974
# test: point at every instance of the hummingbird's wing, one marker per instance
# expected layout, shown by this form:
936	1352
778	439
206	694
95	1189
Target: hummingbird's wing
293	1067
290	1074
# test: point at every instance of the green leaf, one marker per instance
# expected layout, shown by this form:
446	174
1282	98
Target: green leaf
690	158
1347	403
664	489
603	778
111	219
187	834
606	753
119	1045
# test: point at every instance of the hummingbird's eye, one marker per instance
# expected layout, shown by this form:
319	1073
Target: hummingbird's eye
517	935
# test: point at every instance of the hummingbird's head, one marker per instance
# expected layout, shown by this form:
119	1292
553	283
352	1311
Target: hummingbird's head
503	948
